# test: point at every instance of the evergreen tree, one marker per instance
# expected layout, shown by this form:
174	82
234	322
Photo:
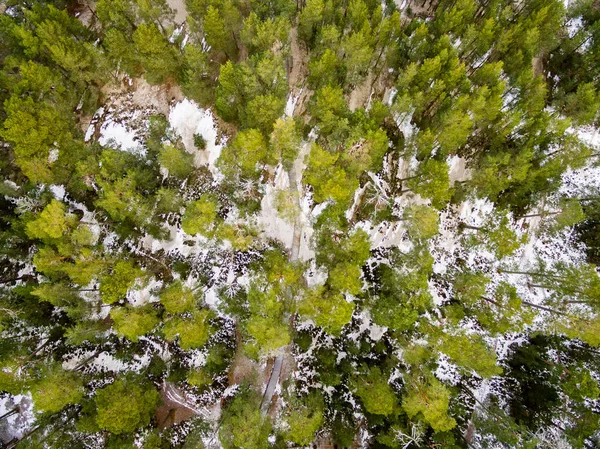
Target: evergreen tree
125	405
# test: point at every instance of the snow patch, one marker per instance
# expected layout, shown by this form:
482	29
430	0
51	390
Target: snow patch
118	136
291	103
188	119
273	224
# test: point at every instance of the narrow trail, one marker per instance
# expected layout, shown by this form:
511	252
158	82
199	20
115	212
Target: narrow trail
295	176
271	385
174	395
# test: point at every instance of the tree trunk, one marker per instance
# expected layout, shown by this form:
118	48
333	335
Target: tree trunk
11	412
475	228
543	214
544	308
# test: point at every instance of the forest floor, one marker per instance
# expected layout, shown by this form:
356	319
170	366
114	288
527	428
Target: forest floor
180	10
175	407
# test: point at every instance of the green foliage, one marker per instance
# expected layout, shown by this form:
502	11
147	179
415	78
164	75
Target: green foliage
432	182
403	293
330	112
177	299
357	55
403	112
61	295
133	322
56	389
252	94
199	141
470	353
375	392
285	141
260	36
35	130
193	331
330	182
199	378
122	277
52	223
428	399
154	52
305	418
221	24
326	70
267	325
200	216
117	14
309	18
327	309
243	425
421	221
246	152
179	163
125	405
498	236
262	111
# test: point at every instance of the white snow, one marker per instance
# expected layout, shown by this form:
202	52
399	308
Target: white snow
187	119
106	361
145	294
211	298
180	10
573	26
58	191
458	169
17	425
89	133
375	331
403	121
389	95
447	371
273	224
290	105
118	136
53	155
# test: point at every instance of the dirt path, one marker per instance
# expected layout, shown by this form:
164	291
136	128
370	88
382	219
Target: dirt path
273	381
180	11
175	407
295	176
361	93
298	69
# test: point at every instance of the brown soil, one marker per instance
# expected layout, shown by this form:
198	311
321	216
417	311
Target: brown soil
241	367
538	66
422	8
172	412
142	95
180	11
360	95
298	65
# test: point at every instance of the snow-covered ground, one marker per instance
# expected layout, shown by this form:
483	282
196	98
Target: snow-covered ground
188	119
16	425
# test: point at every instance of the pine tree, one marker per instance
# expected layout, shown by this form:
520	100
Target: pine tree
178	163
56	389
375	392
125	405
122	276
133	322
304	417
328	310
243	424
192	332
428	399
176	298
155	53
